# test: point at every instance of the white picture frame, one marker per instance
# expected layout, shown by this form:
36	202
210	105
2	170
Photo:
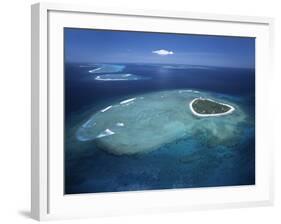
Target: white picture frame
48	201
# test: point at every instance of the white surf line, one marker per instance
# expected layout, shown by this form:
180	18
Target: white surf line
189	91
110	79
185	91
127	75
210	115
106	132
105	109
121	77
127	101
120	124
87	124
94	70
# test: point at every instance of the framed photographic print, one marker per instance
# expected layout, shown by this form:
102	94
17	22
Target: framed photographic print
148	111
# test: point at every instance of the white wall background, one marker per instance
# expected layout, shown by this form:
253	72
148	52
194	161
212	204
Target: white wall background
15	110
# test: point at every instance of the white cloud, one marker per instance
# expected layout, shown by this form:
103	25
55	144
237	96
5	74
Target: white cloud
163	52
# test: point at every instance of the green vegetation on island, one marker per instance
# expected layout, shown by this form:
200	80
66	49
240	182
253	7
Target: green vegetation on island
206	106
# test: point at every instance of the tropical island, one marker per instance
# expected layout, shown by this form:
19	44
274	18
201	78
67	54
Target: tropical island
145	122
204	107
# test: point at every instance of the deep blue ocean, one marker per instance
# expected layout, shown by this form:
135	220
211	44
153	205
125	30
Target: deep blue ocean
89	169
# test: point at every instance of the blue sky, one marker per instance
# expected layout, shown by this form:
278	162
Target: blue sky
96	46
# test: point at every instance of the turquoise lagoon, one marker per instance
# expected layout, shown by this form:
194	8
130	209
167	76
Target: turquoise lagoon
143	123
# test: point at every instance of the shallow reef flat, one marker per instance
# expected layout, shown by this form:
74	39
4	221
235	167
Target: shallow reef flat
144	123
112	72
106	68
119	77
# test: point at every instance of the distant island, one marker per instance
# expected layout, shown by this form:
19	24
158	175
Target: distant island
204	107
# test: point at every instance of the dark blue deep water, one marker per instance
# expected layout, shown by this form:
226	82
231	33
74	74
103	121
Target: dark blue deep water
191	163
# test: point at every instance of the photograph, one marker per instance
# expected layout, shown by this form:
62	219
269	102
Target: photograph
157	111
